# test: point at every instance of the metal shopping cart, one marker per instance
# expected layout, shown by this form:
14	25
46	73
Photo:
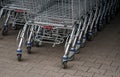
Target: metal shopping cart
61	21
13	12
56	22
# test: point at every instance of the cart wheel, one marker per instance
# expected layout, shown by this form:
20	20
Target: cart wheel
100	28
37	44
4	31
95	34
19	57
29	50
64	64
82	45
14	27
90	37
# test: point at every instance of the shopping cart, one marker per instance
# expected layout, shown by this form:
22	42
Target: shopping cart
61	21
13	12
55	22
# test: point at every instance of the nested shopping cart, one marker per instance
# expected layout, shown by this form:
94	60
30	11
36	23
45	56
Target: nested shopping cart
61	21
12	11
101	15
55	22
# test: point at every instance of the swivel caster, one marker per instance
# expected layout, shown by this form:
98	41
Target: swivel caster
36	44
100	28
82	45
64	64
19	57
29	50
14	27
90	37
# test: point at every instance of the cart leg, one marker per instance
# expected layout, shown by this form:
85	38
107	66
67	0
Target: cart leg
1	12
83	41
90	31
14	22
29	42
78	45
84	36
5	26
19	51
73	50
65	56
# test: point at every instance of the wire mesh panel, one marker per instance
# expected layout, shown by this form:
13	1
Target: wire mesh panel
55	11
12	4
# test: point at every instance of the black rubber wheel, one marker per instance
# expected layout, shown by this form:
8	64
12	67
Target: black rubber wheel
36	44
77	49
90	37
100	27
95	34
15	28
19	57
29	50
82	45
64	64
